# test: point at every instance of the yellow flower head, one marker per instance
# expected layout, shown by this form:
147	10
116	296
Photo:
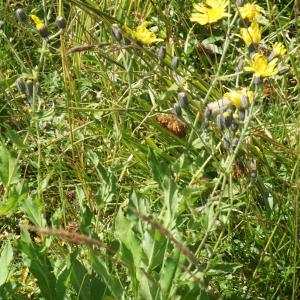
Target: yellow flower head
236	97
260	66
250	11
210	12
143	34
279	49
252	34
38	23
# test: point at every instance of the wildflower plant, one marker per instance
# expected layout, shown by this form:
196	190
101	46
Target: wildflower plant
156	160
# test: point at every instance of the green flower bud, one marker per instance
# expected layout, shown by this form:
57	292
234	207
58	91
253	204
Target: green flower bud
228	117
21	15
220	121
61	22
245	101
1	24
284	70
226	141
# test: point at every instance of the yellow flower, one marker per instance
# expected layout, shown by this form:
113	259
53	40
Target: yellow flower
237	97
210	12
250	11
252	34
38	23
260	66
143	34
278	49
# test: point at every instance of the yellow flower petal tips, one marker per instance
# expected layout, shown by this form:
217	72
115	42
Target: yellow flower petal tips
37	21
279	49
252	34
237	97
260	66
250	11
144	35
210	12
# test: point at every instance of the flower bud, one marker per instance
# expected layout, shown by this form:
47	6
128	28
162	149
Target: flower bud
240	65
283	70
183	100
21	86
207	113
21	15
235	142
1	24
161	53
43	31
228	118
251	49
256	80
242	114
239	3
245	101
234	126
116	33
61	22
29	88
226	141
220	121
177	110
174	63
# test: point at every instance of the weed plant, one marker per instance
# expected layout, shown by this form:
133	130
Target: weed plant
149	149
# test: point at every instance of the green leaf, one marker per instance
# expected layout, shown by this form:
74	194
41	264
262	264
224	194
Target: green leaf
5	260
112	283
9	170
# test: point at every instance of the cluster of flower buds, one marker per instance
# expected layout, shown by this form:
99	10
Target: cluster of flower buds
25	87
41	27
183	103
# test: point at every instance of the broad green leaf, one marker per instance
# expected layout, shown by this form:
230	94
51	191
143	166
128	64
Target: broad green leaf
5	260
9	170
112	283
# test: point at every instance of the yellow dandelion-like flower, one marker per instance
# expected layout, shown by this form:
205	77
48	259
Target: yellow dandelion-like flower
252	34
38	23
144	35
210	12
250	11
278	49
260	66
239	97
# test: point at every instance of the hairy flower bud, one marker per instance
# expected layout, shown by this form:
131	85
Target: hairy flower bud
21	15
61	22
177	110
43	31
183	100
21	86
235	142
207	113
161	53
1	24
116	33
174	63
29	88
242	114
